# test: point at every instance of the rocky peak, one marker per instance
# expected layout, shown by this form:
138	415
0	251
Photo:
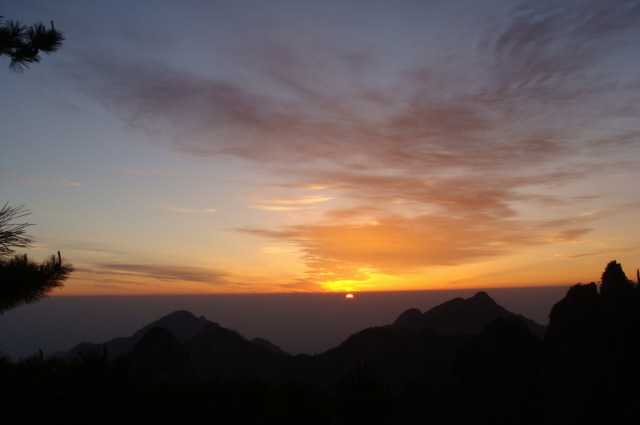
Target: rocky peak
482	298
459	315
614	281
406	319
182	324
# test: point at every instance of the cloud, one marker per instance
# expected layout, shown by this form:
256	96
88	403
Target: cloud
287	204
165	272
399	245
310	186
302	285
303	200
54	182
441	158
142	171
604	253
190	210
15	177
87	245
556	45
352	246
569	235
277	208
277	250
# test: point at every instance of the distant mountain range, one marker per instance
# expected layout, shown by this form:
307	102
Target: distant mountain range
208	350
182	324
466	361
457	316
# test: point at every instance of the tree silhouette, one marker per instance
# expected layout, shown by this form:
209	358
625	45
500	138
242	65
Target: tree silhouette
11	234
23	44
23	281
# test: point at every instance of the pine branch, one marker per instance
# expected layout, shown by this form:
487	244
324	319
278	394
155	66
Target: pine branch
23	281
13	235
22	44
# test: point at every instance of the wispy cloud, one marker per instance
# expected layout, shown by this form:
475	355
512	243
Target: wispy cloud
400	245
87	245
277	250
303	200
142	171
165	272
277	208
569	235
437	160
189	210
15	177
606	253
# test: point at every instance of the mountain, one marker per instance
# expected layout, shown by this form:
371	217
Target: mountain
270	346
160	356
420	347
217	351
432	367
182	324
400	354
593	343
461	316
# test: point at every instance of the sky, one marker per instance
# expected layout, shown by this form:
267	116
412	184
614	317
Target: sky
283	146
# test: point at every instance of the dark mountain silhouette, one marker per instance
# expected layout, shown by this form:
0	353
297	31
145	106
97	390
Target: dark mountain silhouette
615	283
436	367
217	351
463	316
183	325
496	374
417	347
401	355
584	371
270	346
593	344
159	356
407	319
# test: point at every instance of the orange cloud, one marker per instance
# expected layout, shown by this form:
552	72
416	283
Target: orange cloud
396	245
304	200
276	250
431	164
277	208
569	235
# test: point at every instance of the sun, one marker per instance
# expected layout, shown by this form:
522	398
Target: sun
349	296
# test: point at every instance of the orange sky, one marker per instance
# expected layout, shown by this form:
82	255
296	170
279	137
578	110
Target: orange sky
276	147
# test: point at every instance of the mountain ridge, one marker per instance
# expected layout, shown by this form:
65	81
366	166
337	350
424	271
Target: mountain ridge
460	315
585	370
182	324
437	335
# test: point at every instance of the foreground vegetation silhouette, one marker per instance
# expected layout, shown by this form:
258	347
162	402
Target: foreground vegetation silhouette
584	370
23	44
23	281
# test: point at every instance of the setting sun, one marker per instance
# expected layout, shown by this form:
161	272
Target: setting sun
349	296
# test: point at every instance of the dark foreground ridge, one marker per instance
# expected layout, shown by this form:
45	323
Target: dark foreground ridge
466	361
